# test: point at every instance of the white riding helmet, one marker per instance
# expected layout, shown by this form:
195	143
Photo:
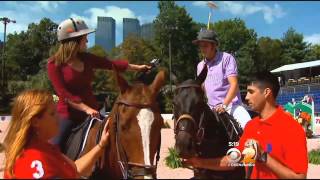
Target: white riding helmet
71	28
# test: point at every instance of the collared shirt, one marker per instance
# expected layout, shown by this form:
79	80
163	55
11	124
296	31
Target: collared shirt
43	160
283	138
216	84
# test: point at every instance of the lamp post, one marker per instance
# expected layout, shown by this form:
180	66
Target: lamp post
5	21
211	5
169	25
170	53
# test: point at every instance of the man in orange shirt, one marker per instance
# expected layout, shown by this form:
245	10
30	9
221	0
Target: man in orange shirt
279	140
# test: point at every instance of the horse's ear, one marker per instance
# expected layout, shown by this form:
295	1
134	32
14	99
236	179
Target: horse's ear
121	82
203	75
158	82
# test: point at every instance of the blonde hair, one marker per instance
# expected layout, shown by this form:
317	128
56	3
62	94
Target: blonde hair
67	50
27	105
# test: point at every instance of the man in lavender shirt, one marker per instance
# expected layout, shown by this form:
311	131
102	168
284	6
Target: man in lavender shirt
221	84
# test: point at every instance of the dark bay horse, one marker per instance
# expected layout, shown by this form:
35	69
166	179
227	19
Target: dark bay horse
199	131
135	124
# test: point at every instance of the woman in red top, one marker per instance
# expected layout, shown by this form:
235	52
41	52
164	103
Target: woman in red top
27	151
70	71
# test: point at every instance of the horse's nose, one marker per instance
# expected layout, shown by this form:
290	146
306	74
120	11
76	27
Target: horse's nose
178	150
184	149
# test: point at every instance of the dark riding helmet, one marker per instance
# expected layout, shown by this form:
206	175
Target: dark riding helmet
206	35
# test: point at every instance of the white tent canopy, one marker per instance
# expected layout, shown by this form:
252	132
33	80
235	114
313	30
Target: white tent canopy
290	67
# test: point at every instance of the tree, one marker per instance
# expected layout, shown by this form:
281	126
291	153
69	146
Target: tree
41	79
137	51
233	35
25	50
269	54
175	24
18	56
98	51
102	81
295	49
313	53
116	53
246	60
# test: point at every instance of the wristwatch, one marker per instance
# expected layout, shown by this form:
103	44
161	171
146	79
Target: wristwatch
224	106
263	158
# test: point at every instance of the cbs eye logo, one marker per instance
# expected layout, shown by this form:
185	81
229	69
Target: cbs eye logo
234	155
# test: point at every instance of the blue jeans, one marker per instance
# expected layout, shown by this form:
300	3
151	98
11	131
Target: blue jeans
65	126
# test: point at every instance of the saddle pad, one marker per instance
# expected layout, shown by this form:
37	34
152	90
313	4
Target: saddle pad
77	138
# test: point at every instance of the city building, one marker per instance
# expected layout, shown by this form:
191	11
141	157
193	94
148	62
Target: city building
147	31
131	26
105	35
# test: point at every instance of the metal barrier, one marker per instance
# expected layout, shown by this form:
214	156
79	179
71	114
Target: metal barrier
304	88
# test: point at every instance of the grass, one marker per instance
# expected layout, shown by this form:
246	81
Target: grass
173	160
314	156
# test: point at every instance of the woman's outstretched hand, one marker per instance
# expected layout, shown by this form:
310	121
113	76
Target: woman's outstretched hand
140	68
105	135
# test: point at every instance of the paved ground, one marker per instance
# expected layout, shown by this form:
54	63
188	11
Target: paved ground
168	141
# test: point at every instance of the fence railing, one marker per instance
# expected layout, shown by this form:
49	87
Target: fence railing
305	88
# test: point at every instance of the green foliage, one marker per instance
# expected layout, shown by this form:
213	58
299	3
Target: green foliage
26	50
233	35
294	48
137	51
268	54
314	156
38	81
313	53
103	80
15	87
116	53
173	160
98	51
26	56
175	24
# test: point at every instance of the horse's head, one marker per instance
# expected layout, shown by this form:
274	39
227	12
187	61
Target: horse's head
189	104
138	123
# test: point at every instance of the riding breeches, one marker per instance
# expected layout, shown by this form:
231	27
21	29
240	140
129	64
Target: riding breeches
240	114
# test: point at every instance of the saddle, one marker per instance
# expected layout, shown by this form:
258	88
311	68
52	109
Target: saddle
231	125
77	138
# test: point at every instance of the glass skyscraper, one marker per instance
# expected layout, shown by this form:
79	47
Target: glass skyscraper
131	26
147	31
105	35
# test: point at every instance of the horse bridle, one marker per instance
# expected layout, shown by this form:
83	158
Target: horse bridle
186	116
125	166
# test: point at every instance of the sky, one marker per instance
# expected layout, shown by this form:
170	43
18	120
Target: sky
267	18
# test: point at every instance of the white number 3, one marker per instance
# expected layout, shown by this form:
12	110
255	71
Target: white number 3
38	165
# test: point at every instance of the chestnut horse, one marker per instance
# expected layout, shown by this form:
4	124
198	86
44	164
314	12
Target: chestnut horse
134	125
